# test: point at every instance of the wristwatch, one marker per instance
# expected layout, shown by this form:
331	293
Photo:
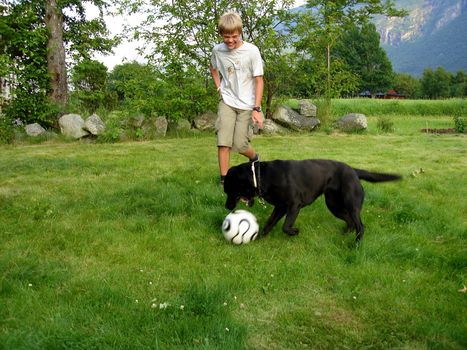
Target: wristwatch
257	109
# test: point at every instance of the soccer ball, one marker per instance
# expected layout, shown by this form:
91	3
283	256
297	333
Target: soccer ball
240	227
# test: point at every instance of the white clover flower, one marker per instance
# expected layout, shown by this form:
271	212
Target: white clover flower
163	306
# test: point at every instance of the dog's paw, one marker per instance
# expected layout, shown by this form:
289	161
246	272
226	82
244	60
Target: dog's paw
292	232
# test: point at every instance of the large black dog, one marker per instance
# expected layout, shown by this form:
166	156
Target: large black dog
290	185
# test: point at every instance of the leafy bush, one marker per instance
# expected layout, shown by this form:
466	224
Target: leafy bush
89	79
175	93
385	124
7	130
114	127
459	124
32	108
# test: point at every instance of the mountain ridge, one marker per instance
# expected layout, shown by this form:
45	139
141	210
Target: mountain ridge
432	35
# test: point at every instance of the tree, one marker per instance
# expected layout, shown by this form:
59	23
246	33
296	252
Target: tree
459	84
407	85
324	21
56	53
39	36
89	80
175	93
359	48
185	31
436	84
23	52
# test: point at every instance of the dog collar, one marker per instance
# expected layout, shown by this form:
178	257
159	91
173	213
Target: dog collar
256	181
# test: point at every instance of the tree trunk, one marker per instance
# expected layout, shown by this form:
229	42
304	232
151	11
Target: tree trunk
269	97
56	54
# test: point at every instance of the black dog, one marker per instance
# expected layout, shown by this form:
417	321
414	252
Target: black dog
290	185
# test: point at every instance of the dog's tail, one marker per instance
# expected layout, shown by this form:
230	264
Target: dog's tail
376	177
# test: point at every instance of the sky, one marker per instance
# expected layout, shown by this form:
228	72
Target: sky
126	51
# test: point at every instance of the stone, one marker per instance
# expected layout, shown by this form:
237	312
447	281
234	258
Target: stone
307	109
206	121
288	118
183	124
94	125
34	130
154	127
353	122
137	121
271	128
72	125
161	124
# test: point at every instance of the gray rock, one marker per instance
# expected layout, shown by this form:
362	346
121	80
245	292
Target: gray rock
183	124
307	109
160	124
288	118
353	122
34	129
206	121
137	121
271	128
72	125
154	127
94	125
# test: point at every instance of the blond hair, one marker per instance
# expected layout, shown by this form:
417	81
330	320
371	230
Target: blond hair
229	23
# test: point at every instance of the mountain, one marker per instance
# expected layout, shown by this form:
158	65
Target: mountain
433	34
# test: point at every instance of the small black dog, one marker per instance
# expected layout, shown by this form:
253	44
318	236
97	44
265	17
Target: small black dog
290	185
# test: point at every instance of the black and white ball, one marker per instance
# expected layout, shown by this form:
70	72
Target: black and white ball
240	227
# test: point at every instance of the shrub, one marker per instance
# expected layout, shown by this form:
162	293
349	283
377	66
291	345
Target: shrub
114	127
459	124
385	124
7	130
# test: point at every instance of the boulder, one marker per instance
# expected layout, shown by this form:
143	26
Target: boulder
34	129
288	118
307	109
72	125
183	124
137	121
205	121
94	125
160	124
154	127
271	128
352	122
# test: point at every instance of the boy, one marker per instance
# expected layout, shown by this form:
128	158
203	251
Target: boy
237	69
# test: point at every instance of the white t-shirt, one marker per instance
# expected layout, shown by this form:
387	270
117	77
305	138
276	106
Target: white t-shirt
237	68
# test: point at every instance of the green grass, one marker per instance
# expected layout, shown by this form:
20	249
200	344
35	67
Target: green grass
377	107
118	246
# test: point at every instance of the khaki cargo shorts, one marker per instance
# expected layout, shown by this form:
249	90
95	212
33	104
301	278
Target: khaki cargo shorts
234	127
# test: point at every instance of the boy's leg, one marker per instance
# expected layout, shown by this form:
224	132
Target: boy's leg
225	127
250	154
223	153
243	134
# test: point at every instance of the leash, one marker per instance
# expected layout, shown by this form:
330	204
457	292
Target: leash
256	182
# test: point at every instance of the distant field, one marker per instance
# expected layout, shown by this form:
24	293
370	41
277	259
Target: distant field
118	246
380	107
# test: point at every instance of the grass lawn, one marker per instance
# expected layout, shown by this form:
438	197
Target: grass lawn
119	246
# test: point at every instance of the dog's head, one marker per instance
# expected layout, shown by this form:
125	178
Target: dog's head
238	185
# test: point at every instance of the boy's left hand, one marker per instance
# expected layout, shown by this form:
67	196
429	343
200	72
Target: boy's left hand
257	118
